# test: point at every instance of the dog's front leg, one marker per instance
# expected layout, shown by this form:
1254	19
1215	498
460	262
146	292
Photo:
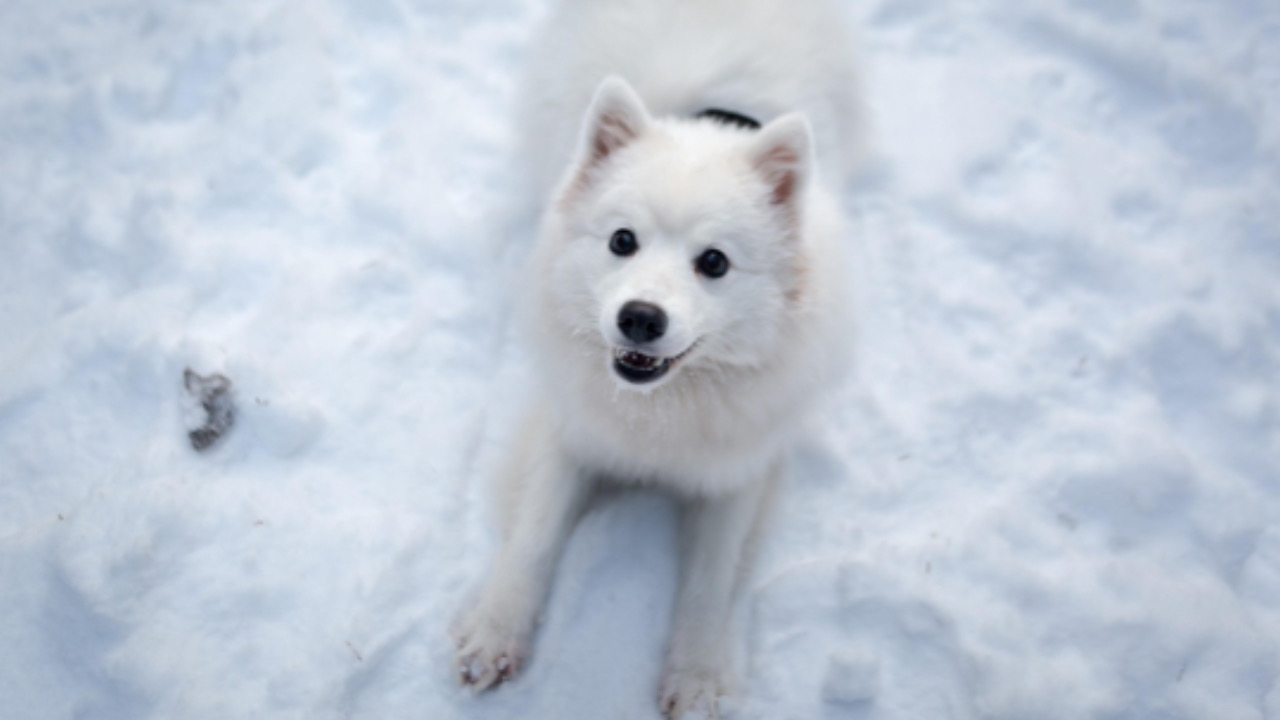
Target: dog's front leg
544	495
716	537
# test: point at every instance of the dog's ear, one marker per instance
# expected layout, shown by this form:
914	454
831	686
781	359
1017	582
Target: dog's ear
782	154
616	117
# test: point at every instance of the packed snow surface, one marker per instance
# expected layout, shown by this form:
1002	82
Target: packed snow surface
1050	488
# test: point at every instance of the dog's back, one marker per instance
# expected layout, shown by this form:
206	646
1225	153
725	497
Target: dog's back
757	58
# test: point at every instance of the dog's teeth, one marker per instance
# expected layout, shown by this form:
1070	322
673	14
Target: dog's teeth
639	360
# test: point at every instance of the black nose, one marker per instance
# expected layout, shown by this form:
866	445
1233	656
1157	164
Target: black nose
641	321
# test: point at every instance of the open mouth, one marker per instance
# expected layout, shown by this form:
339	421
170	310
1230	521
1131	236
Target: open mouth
639	368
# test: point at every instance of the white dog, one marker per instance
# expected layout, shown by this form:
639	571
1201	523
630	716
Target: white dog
686	303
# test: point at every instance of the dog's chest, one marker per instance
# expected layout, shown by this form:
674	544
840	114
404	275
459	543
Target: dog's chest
688	446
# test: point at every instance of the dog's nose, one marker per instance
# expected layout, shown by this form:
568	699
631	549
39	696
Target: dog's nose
641	321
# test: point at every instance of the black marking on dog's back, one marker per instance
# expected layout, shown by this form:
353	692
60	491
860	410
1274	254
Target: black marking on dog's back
729	117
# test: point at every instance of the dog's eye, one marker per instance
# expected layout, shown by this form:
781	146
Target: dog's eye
712	263
623	243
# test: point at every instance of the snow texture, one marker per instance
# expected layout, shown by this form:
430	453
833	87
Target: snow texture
851	678
1049	490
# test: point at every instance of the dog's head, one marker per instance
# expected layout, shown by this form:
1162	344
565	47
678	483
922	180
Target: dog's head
678	241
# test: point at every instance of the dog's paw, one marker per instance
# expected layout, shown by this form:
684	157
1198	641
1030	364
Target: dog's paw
691	693
491	650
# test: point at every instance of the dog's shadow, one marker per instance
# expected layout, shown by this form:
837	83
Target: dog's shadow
605	626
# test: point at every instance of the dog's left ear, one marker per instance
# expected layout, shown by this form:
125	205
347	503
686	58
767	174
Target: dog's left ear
782	154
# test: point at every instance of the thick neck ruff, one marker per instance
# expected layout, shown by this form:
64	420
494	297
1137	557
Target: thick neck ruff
729	117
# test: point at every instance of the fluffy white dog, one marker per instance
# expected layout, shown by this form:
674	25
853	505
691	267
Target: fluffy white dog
686	303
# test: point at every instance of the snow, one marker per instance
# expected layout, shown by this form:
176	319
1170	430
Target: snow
852	677
1049	490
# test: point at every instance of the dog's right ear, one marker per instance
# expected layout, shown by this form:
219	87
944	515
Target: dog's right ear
782	154
616	117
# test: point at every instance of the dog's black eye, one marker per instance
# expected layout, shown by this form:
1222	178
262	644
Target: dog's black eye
623	243
712	263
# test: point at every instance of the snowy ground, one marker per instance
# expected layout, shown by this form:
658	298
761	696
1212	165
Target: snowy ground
1051	490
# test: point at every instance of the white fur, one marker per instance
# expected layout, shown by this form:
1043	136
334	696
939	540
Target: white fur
756	345
763	58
